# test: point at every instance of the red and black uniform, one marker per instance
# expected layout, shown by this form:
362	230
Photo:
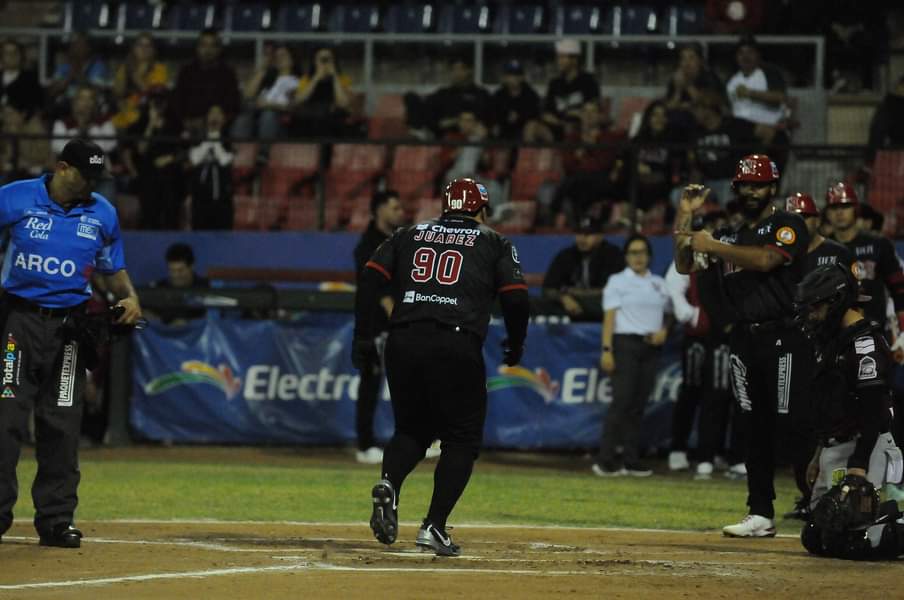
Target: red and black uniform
762	305
445	275
879	270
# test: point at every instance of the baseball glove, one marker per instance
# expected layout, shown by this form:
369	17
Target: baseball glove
852	504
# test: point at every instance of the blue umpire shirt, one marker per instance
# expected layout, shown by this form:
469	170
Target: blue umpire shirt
53	252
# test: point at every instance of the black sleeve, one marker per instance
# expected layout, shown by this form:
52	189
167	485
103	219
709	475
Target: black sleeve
362	253
591	87
516	314
774	79
549	103
878	128
890	271
614	262
556	276
370	285
789	235
873	366
531	104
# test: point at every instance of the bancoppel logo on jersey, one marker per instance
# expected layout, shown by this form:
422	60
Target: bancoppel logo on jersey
38	228
411	297
51	265
87	230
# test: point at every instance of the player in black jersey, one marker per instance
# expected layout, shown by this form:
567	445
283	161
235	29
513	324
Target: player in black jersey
797	360
444	276
760	265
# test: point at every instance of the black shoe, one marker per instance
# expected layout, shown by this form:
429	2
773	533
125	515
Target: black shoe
432	538
384	520
635	468
63	535
801	510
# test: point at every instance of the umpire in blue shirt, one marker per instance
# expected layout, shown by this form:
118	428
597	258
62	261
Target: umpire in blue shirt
60	234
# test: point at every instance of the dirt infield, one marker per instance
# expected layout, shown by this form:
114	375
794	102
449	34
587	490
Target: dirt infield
278	560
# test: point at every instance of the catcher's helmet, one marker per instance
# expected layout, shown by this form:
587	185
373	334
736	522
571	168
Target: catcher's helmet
465	195
755	168
801	204
841	193
835	285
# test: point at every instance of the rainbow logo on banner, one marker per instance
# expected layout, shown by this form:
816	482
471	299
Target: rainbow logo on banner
537	380
196	371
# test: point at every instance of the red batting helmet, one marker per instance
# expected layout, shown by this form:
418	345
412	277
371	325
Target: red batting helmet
801	204
841	193
755	168
465	195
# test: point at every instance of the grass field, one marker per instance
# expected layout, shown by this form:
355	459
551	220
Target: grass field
317	485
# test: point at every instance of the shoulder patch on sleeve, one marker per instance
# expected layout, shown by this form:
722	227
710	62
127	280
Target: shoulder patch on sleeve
867	369
865	344
515	255
785	235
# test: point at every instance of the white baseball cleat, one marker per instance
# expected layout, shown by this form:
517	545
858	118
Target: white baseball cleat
678	461
434	451
704	471
751	526
371	456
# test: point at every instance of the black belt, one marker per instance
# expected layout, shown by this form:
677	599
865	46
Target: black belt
837	440
24	305
434	325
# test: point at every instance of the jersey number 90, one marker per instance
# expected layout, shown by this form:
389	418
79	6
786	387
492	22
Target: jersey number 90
444	269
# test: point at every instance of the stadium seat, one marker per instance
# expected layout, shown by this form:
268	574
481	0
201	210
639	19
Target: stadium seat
415	18
516	217
353	174
243	164
360	214
579	19
519	20
534	167
253	16
292	170
886	189
687	19
303	213
414	173
388	119
193	17
140	16
427	208
299	18
464	19
631	19
257	213
90	15
354	19
628	106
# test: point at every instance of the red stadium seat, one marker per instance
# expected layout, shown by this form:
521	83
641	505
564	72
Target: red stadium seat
518	217
388	119
353	174
257	212
628	106
291	165
428	208
360	214
415	170
303	214
886	189
535	166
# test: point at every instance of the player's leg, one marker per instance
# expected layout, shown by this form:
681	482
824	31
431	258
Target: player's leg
693	361
58	419
371	376
763	382
714	406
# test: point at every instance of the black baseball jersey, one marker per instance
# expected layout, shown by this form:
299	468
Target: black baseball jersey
878	269
755	296
830	252
852	393
448	270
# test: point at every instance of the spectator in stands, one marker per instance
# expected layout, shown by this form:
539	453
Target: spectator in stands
80	68
19	86
566	95
470	161
691	79
719	142
734	16
322	103
86	121
757	91
635	326
268	94
153	156
870	219
206	82
140	73
438	113
180	267
386	216
210	178
588	171
22	158
886	129
515	103
856	42
657	160
576	277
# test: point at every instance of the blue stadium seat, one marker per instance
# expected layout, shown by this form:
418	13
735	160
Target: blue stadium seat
415	18
636	20
300	18
687	19
193	16
519	20
464	19
578	19
253	16
141	16
91	15
354	19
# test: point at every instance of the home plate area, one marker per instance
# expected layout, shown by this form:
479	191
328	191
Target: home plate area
262	560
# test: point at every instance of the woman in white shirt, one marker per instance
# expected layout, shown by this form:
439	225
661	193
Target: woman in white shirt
636	319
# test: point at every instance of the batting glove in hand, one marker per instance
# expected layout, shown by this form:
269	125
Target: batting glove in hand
364	352
511	355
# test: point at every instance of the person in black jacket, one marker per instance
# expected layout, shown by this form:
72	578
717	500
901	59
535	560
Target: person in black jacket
387	216
575	280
